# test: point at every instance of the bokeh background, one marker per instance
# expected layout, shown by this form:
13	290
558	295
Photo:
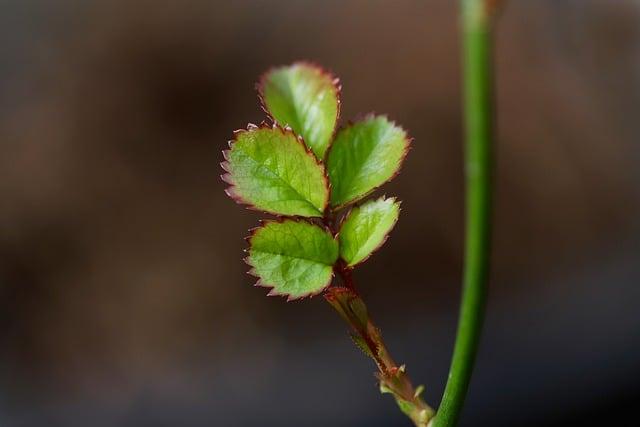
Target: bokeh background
123	297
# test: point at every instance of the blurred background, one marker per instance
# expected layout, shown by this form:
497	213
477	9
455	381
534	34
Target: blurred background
123	297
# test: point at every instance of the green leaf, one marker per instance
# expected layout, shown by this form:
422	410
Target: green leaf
270	169
364	156
306	98
366	228
295	258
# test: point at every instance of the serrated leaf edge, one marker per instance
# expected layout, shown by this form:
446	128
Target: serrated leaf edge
227	177
259	283
335	81
386	236
408	146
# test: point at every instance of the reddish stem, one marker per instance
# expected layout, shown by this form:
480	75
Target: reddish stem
393	378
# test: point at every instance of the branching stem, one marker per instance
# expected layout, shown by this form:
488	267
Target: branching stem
393	378
477	20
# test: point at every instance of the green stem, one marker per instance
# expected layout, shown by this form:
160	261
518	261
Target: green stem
478	111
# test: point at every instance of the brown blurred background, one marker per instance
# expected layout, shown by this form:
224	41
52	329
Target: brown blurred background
123	298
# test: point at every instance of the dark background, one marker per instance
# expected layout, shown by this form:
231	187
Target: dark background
123	298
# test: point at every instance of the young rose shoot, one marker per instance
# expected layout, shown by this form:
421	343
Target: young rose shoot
300	168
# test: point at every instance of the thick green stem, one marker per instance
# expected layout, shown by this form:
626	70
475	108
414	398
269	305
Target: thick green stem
478	112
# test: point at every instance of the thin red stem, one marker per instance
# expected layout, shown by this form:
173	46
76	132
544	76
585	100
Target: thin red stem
393	378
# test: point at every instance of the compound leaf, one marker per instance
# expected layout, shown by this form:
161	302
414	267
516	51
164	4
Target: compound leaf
364	156
306	98
270	169
294	258
366	228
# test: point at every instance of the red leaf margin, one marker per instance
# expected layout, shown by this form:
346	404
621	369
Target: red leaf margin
227	176
335	82
407	147
386	237
272	292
